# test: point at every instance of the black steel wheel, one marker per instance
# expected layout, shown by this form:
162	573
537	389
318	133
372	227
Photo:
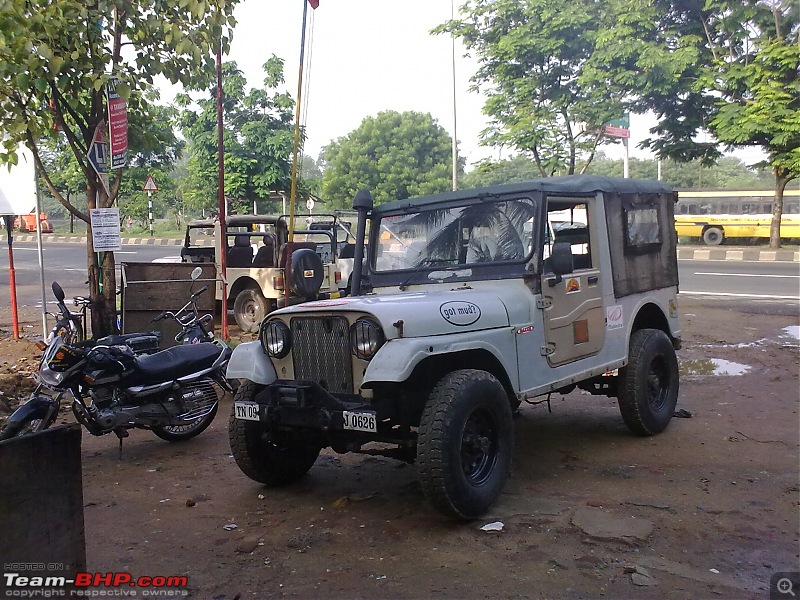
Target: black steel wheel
648	385
465	442
272	462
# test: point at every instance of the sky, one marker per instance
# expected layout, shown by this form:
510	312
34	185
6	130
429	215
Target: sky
368	56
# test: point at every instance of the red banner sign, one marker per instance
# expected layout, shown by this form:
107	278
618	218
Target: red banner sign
117	126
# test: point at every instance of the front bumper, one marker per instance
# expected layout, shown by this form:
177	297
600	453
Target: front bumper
306	404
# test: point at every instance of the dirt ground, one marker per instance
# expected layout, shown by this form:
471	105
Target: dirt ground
708	509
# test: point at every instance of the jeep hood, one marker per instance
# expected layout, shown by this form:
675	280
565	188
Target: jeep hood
428	313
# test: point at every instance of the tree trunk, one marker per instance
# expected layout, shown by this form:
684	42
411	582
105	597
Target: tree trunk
781	179
102	276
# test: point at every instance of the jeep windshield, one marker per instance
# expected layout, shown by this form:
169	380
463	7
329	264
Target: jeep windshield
475	234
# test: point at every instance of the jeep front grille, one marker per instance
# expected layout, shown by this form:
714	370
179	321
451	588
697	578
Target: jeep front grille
321	352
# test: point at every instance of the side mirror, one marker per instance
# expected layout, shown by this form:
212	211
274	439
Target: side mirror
196	272
561	262
57	291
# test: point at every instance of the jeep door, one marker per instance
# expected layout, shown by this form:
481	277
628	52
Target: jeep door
572	304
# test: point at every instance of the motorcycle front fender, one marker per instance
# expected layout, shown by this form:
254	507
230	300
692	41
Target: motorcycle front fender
35	408
248	361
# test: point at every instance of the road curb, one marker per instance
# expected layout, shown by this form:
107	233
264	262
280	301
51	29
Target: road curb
738	254
77	239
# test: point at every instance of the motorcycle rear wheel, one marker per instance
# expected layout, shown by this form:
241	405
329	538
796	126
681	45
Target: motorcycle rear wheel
180	433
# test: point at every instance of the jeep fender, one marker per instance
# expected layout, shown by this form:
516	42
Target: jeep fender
398	358
249	361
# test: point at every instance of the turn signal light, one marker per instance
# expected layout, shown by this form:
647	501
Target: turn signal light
41	345
337	276
277	283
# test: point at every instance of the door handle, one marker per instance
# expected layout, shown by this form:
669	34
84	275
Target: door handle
592	280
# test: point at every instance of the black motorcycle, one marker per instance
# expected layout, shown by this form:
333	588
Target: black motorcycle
174	392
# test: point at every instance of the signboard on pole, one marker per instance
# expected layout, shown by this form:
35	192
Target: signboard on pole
98	155
105	229
18	186
150	184
619	127
117	125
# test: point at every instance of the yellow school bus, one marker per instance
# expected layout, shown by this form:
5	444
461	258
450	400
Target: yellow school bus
714	215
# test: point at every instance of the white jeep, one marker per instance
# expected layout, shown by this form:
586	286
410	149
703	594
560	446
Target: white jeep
467	304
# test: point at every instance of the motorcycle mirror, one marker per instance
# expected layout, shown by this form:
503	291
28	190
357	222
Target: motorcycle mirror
57	291
196	273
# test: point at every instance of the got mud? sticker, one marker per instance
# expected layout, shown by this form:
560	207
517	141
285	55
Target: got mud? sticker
458	312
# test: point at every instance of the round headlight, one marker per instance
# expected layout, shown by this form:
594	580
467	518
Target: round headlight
275	338
366	337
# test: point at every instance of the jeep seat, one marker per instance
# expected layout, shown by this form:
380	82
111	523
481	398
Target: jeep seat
241	255
265	257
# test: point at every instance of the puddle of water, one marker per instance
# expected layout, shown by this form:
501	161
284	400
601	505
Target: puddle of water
712	366
793	331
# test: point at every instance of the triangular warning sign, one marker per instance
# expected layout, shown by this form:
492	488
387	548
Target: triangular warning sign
150	184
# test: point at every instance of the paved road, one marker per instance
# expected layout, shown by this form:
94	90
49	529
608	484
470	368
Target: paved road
762	281
778	281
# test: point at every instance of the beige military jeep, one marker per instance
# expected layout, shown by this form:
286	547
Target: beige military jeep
466	305
261	262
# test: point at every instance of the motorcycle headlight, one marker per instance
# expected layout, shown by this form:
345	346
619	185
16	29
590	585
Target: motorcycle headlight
276	339
366	338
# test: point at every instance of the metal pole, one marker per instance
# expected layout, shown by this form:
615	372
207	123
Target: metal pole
455	128
12	280
625	171
39	250
296	147
150	210
223	243
287	275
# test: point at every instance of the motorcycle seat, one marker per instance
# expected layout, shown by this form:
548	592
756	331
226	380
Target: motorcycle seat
176	362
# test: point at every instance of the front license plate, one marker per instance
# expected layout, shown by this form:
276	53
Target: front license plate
247	411
359	421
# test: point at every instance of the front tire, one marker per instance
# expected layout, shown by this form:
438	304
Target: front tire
26	427
465	443
648	385
266	461
249	309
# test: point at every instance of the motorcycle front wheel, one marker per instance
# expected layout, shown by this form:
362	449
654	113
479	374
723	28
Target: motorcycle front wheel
179	433
24	428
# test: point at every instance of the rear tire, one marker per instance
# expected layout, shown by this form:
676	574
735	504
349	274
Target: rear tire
648	385
180	433
249	309
465	443
263	460
713	236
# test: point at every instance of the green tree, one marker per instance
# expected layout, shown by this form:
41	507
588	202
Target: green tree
532	58
486	173
728	67
394	155
258	138
756	53
56	59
